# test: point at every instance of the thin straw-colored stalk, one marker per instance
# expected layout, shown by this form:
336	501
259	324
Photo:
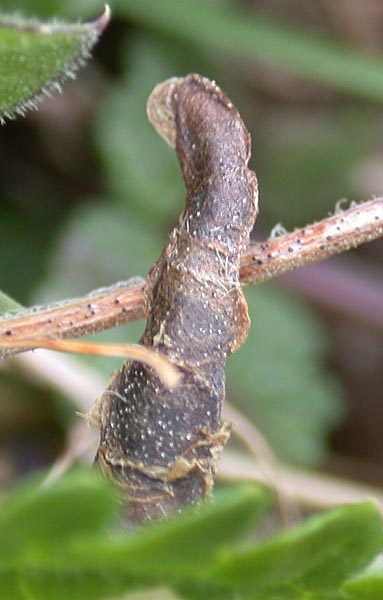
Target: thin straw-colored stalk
167	372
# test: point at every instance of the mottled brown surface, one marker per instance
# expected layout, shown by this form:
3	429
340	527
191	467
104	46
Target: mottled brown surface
160	444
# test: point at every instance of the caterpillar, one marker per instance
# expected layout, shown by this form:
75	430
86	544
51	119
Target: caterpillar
161	445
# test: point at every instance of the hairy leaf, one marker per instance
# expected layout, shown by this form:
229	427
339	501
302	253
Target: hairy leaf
36	58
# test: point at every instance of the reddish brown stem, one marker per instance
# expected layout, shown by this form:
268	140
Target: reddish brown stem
338	233
100	310
262	261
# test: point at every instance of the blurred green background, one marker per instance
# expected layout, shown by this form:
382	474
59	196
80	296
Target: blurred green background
89	193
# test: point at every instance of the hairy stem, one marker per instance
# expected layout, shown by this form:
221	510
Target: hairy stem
338	233
100	310
123	302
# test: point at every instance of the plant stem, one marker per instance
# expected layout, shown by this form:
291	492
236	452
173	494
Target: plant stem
123	302
100	310
344	230
306	489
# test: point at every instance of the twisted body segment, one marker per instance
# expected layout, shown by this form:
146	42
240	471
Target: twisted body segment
161	445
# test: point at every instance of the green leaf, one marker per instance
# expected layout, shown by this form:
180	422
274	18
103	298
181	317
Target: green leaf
194	589
215	27
35	517
71	516
58	542
316	557
183	544
105	243
7	304
139	167
222	26
279	378
297	171
61	584
77	585
42	8
36	58
367	585
9	586
76	554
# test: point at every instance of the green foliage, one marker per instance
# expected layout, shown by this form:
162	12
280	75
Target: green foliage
216	27
36	57
221	26
59	541
278	377
19	231
177	546
137	163
306	157
309	556
101	259
7	304
368	585
35	516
